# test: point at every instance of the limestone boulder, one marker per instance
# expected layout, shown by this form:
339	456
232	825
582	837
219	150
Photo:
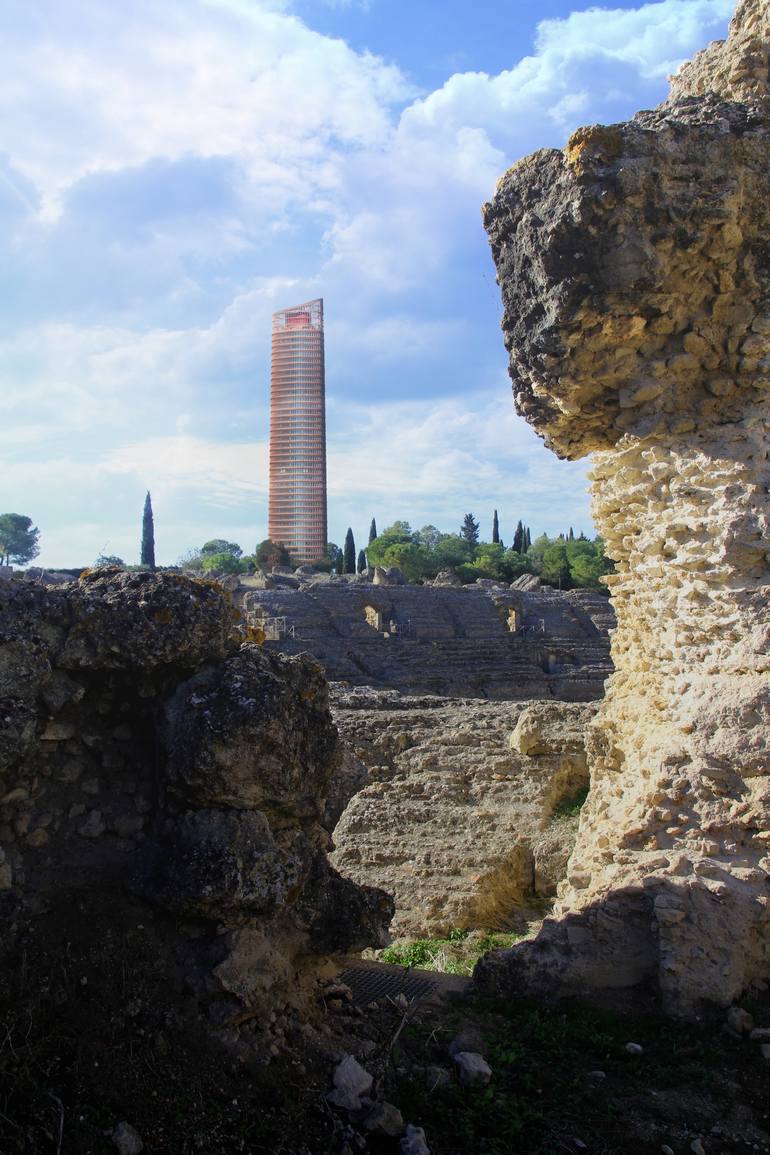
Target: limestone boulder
154	775
144	620
254	731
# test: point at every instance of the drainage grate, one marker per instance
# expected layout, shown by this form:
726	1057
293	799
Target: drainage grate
376	981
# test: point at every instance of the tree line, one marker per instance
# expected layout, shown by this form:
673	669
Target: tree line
566	561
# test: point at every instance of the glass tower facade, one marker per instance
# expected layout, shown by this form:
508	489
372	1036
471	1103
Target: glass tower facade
297	500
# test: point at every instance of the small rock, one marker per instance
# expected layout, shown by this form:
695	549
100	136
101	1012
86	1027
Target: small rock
764	1050
666	1150
739	1022
436	1077
634	1049
596	1076
760	1035
94	825
469	1040
414	1142
127	1140
472	1068
401	1001
351	1081
385	1119
337	991
697	1147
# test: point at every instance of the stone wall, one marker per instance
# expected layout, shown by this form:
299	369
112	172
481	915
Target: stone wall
636	284
153	770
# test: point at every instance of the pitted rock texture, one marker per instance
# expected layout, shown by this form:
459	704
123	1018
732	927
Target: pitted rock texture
148	763
635	272
459	819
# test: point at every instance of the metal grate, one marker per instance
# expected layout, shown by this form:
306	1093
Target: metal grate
376	981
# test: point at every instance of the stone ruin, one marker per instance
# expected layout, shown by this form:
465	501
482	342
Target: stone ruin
635	273
486	640
462	826
198	779
156	772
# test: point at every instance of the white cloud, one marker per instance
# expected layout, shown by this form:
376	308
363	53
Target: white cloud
106	88
218	474
201	163
410	200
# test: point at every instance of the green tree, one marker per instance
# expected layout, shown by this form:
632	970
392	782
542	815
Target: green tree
519	538
372	531
412	559
488	560
193	560
349	553
334	554
219	545
428	536
361	561
515	564
536	550
588	563
527	537
18	539
105	559
450	551
470	530
495	530
269	553
400	533
221	562
147	556
556	564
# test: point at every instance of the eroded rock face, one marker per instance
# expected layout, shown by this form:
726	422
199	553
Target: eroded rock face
635	272
459	820
149	762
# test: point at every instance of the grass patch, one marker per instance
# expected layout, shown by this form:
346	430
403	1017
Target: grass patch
457	954
571	805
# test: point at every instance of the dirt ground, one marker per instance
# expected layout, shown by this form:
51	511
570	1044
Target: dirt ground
92	1033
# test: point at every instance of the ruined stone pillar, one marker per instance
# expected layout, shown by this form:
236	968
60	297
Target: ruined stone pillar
635	273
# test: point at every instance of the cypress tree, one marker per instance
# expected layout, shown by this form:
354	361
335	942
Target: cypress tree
372	531
571	535
495	529
148	534
361	561
470	530
349	553
528	539
519	538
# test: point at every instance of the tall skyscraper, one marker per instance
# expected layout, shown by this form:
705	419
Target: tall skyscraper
297	501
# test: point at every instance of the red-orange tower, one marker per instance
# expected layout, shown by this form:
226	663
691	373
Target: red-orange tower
297	502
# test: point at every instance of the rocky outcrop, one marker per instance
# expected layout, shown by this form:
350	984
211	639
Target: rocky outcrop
460	821
636	283
149	763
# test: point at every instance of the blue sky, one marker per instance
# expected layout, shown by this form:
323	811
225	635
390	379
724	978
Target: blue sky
174	171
